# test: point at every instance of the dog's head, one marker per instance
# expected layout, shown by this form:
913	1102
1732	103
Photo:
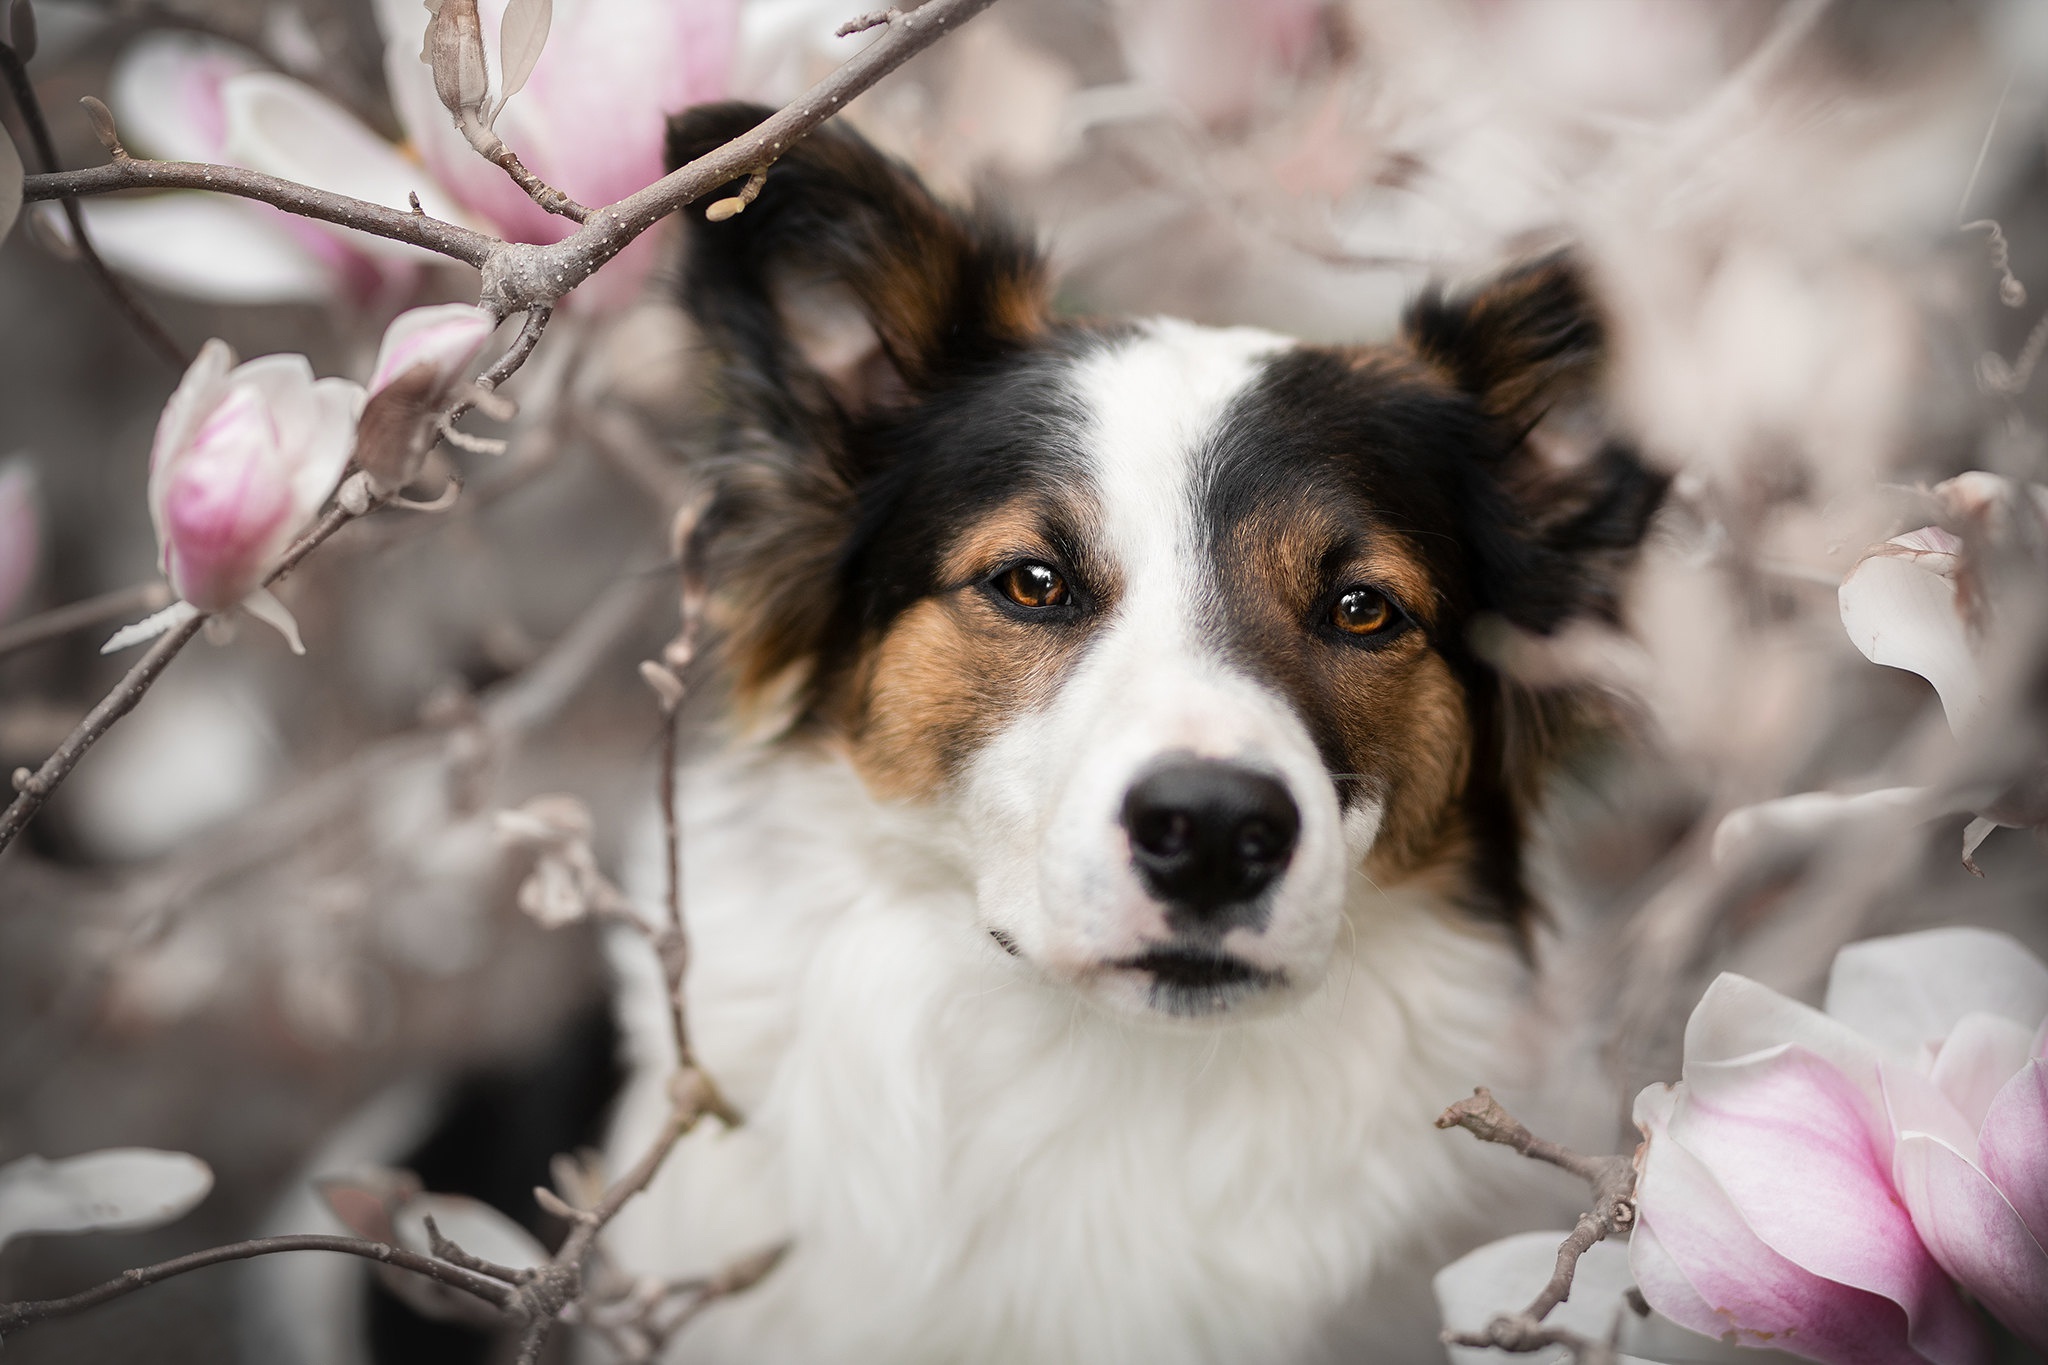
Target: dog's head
1171	622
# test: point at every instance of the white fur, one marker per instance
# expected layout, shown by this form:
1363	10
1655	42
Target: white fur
986	1158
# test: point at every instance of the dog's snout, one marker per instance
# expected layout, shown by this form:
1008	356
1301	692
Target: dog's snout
1206	835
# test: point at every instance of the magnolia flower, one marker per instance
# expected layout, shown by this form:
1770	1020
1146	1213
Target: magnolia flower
424	359
244	455
1217	58
590	121
1912	602
21	532
1830	1182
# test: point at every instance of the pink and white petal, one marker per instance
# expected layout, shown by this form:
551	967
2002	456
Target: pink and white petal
1977	1058
1786	1136
286	128
284	384
1737	1017
207	246
2012	1146
448	336
319	463
1975	1233
165	92
1911	989
1903	613
198	393
1699	1263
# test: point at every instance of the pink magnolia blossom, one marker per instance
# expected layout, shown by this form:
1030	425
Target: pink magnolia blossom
590	120
244	456
1833	1183
21	533
425	357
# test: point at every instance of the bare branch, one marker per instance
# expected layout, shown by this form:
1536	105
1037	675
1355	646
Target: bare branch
1613	1183
398	225
14	1316
119	604
153	332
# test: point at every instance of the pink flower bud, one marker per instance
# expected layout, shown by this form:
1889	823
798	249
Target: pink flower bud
243	457
21	533
423	362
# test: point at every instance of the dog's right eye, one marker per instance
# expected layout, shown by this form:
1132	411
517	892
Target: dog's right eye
1033	585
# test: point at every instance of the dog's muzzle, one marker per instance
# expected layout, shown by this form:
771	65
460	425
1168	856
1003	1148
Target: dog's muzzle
1207	837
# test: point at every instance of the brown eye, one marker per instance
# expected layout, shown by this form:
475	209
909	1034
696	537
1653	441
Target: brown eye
1032	584
1361	611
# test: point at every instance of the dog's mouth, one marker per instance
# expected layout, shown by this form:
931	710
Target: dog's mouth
1193	981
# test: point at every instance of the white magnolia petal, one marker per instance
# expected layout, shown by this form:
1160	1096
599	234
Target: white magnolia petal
284	127
471	1224
166	94
1738	1018
199	392
320	462
1974	835
522	34
1911	989
207	246
264	606
1904	614
1978	1057
1794	822
149	627
115	1190
10	185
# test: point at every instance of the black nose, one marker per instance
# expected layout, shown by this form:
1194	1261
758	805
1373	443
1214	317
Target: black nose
1206	835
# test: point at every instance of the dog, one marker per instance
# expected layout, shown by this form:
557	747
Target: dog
1112	857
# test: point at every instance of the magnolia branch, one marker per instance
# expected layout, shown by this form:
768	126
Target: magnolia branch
521	275
1612	1180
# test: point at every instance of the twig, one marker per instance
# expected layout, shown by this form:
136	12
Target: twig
872	19
108	606
398	225
153	332
1613	1183
17	1315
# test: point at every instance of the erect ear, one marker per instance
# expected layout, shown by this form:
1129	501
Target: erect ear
846	285
1571	500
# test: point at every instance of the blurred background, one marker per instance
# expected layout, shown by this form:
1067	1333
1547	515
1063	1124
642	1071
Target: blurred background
268	922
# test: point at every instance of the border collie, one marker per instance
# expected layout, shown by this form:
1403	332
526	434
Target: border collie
1112	860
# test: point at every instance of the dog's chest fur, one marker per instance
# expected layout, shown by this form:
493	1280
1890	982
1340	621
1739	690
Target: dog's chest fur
971	1165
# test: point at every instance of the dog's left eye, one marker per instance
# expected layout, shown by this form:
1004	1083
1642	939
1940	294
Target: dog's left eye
1032	584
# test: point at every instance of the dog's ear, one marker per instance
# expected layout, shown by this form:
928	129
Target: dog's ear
843	293
1563	503
846	287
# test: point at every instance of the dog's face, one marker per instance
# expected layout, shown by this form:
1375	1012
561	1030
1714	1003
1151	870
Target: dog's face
1168	623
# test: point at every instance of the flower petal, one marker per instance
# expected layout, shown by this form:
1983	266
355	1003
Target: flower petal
166	94
1698	1262
1737	1017
10	185
318	464
1800	821
1912	989
1787	1138
1975	1233
447	336
200	390
283	127
1902	611
207	246
1977	1058
119	1189
264	606
149	627
2013	1145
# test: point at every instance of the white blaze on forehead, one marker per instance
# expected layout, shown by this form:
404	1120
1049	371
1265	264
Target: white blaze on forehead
1153	402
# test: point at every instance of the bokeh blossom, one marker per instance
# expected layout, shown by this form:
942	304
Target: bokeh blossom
590	121
1842	1184
21	533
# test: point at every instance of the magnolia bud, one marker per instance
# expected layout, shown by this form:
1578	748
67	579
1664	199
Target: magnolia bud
455	50
422	362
